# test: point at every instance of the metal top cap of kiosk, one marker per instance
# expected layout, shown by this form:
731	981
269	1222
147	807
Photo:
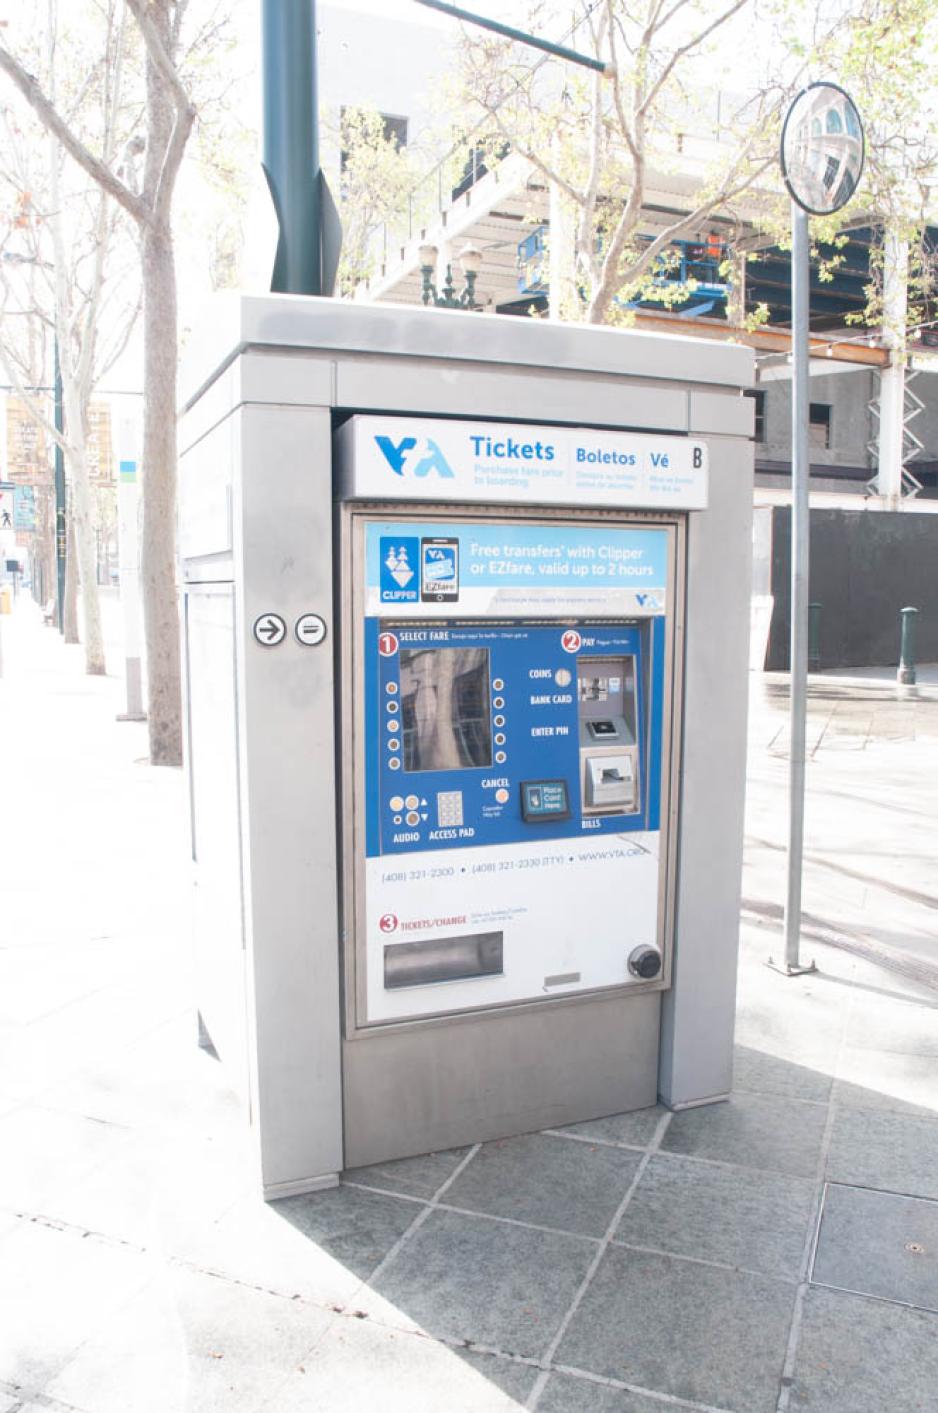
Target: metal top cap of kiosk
427	459
236	324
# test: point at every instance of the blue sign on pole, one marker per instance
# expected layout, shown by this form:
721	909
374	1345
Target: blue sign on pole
24	508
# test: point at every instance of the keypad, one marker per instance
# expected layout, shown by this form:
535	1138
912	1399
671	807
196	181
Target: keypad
449	808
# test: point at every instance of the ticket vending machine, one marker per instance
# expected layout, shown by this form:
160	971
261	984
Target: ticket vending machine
465	608
510	694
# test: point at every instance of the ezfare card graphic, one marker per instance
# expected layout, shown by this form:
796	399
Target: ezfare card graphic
439	570
399	569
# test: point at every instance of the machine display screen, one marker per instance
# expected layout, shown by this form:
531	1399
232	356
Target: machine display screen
445	711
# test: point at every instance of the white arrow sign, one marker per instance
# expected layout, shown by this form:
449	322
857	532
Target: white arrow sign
269	630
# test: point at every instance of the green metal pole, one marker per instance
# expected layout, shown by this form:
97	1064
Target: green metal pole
906	672
61	534
456	12
291	143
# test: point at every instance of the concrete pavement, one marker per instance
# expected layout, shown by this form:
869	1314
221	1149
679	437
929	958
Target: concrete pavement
776	1253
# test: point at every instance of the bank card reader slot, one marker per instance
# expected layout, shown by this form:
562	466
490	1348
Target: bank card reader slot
608	730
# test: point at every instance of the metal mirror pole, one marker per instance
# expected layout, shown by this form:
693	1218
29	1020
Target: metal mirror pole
821	154
800	556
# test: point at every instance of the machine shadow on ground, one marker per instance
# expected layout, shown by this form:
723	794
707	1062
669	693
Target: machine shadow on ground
780	1239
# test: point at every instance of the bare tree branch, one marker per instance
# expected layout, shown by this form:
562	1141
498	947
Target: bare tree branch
685	49
60	130
162	195
140	9
30	401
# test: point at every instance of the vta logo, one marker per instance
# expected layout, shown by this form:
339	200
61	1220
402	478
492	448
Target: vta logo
397	455
387	922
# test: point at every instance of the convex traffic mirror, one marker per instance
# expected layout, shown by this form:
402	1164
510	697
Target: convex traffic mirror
822	149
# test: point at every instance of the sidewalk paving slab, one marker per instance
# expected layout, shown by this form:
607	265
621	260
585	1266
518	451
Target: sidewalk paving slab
886	1151
752	1130
192	1341
565	1393
694	1331
360	1365
722	1213
467	1277
864	1356
875	1243
547	1181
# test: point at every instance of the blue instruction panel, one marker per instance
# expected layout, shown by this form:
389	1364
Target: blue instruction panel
482	733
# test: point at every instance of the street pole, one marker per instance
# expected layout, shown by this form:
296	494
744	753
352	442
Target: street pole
61	536
822	151
800	560
891	440
520	36
291	143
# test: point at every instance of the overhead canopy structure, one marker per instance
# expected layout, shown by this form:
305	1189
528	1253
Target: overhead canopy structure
505	212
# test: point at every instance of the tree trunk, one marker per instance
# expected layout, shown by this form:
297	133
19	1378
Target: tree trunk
82	521
70	597
45	538
564	300
157	551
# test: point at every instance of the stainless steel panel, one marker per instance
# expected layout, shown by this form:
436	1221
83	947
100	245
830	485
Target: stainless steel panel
216	403
727	413
293	377
411	335
413	1091
212	759
283	526
467	390
205	497
698	1013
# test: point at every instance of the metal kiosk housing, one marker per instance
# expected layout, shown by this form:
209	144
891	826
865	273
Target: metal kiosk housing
349	1038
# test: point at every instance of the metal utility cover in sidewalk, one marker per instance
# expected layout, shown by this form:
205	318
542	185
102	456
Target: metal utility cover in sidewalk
879	1243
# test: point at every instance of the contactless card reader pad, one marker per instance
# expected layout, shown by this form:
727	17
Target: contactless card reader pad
544	800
